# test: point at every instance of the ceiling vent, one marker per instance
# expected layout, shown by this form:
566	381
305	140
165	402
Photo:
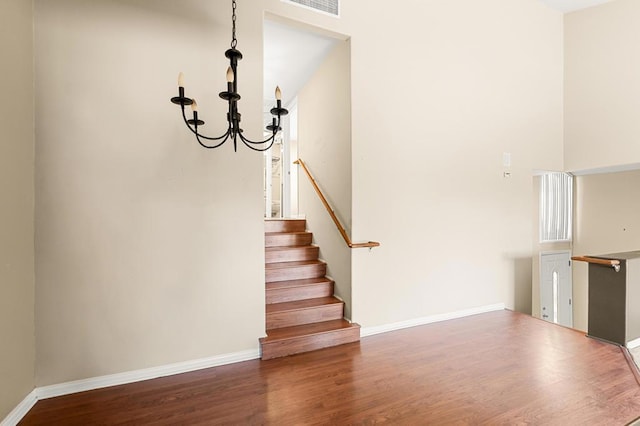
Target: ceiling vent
332	7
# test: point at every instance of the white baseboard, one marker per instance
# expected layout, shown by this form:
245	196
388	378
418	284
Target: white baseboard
123	378
145	374
21	410
370	331
633	344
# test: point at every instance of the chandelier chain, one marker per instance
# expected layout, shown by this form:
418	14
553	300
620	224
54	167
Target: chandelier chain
234	42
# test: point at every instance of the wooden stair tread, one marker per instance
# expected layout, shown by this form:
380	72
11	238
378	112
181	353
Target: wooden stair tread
287	239
283	225
269	234
297	283
276	254
290	248
302	304
282	265
307	330
298	289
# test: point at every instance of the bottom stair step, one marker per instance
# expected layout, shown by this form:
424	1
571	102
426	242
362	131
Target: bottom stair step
305	338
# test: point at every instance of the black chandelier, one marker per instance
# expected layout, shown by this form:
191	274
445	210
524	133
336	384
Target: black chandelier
234	131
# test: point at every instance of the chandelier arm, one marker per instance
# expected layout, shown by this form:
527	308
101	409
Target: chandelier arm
212	146
269	139
195	132
248	145
245	140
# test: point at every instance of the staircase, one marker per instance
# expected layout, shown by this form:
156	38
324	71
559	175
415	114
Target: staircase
302	313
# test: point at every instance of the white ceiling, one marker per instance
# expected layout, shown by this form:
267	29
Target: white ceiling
571	5
291	56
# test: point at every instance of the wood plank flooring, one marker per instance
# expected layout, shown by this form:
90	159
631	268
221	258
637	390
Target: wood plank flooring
490	369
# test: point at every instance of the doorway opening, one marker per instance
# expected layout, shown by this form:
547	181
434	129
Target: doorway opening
292	54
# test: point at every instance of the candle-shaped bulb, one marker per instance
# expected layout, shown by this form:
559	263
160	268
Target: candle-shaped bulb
278	93
230	75
181	80
194	106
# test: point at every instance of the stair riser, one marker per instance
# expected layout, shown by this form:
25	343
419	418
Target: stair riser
309	343
293	255
295	273
304	316
287	240
314	291
285	225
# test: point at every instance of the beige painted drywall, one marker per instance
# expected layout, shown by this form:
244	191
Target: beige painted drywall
607	221
601	90
437	97
150	249
17	356
324	143
431	120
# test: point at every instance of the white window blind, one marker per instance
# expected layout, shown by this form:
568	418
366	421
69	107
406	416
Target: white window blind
556	206
328	6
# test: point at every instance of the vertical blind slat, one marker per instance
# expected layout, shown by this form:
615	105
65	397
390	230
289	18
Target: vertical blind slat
556	202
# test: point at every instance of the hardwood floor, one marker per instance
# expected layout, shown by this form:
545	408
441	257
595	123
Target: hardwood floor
495	368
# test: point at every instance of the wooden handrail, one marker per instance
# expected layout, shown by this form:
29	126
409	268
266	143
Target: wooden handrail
332	213
615	264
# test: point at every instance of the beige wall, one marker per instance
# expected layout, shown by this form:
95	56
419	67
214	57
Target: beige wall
324	136
432	117
437	97
150	249
607	221
601	90
16	209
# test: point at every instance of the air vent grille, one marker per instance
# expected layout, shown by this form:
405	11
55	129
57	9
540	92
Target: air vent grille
331	7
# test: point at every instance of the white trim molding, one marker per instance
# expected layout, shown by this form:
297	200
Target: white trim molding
123	378
370	331
633	344
145	374
14	417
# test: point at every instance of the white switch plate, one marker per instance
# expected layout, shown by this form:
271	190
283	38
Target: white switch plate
506	159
